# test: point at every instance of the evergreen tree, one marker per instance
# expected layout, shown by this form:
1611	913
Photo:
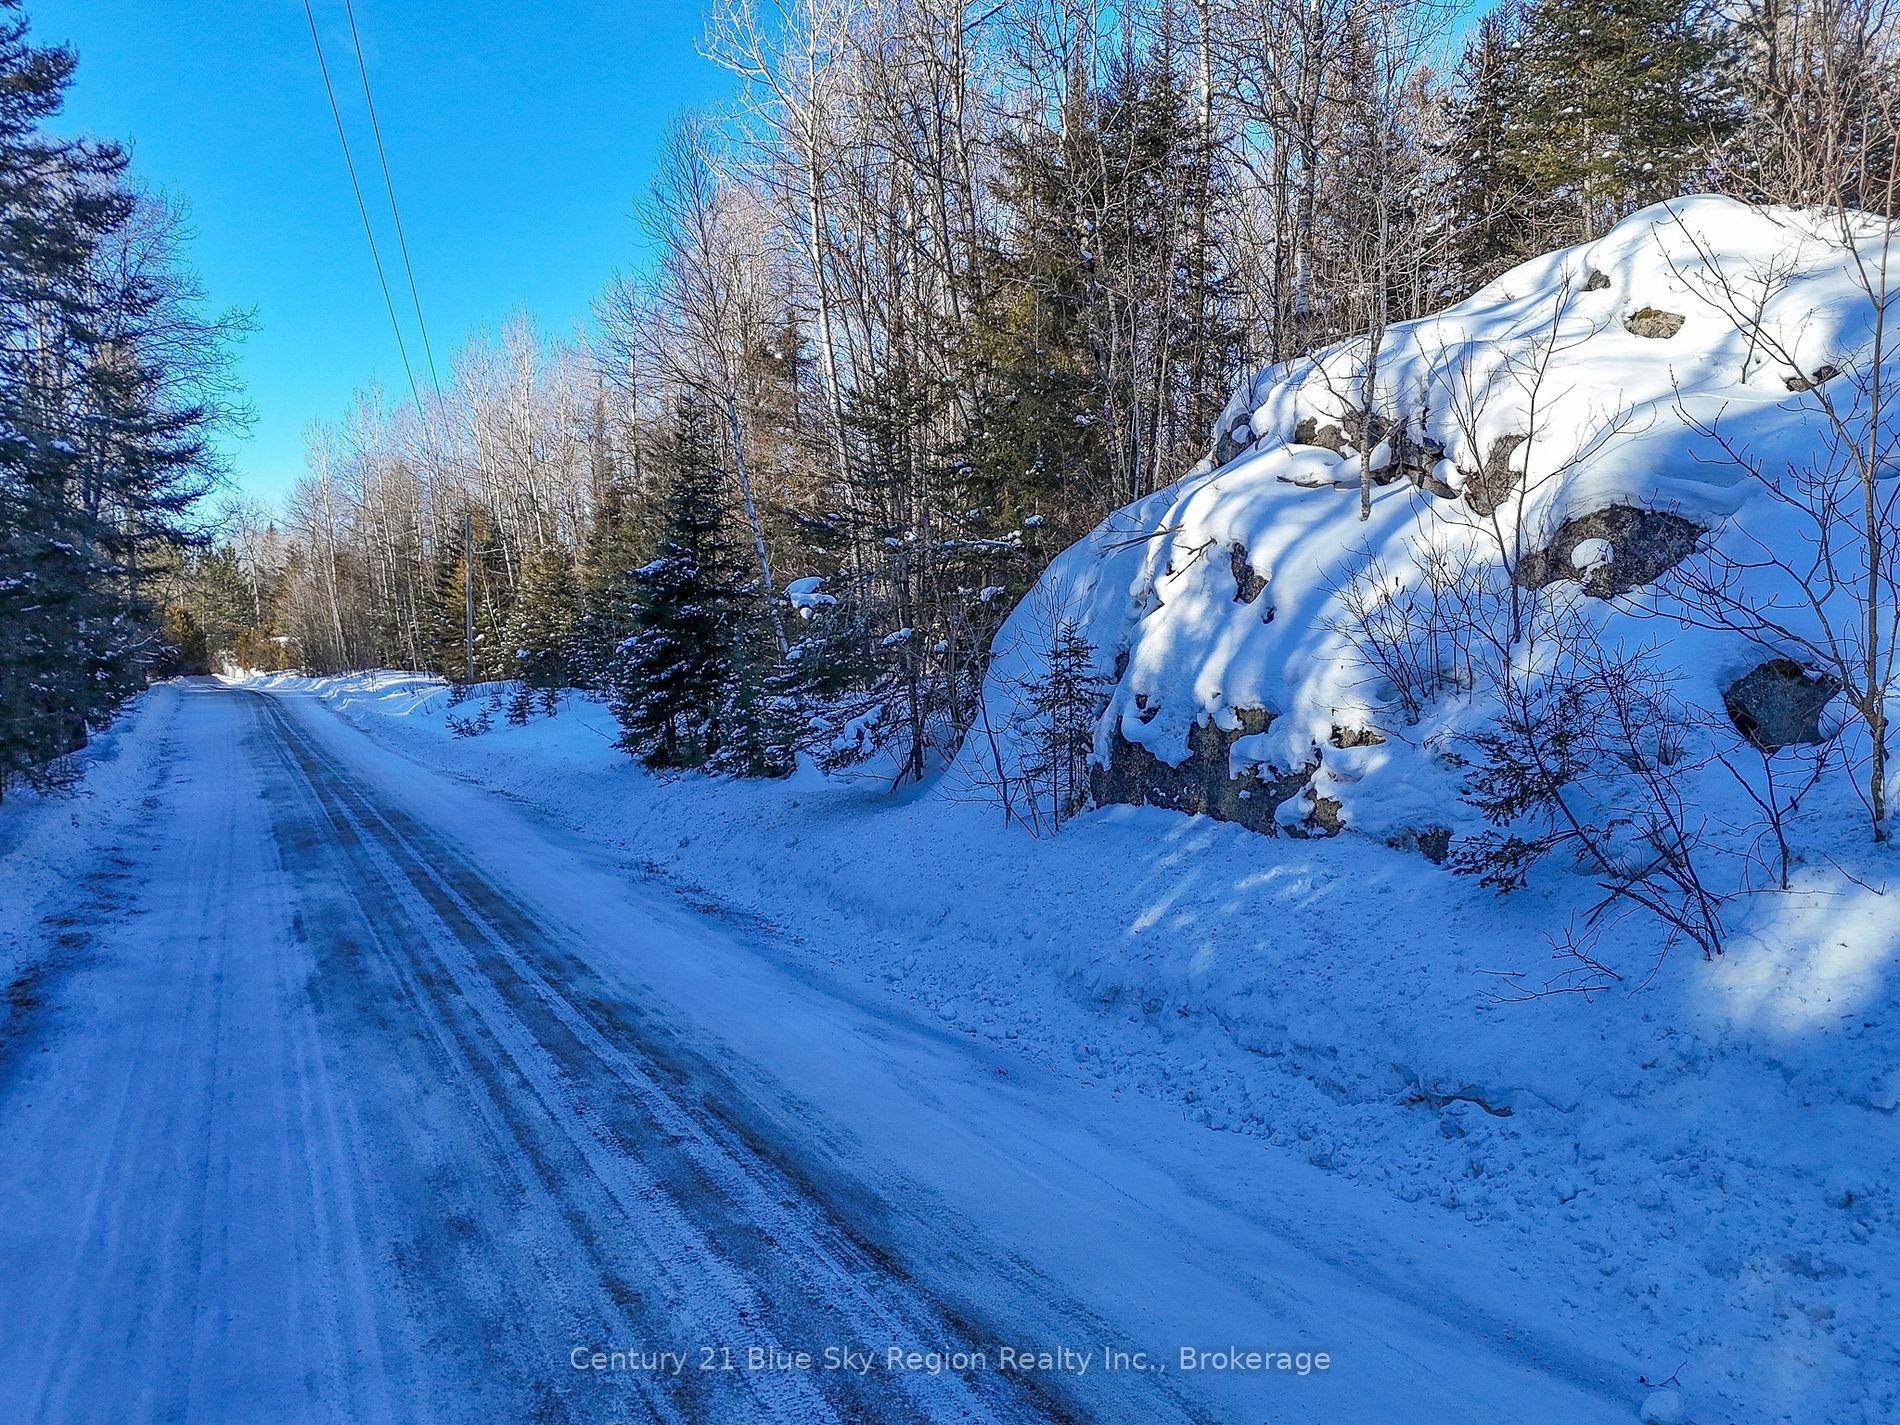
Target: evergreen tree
55	612
758	707
906	684
1614	105
445	616
613	549
104	414
541	621
1059	711
444	627
671	678
1107	340
1492	209
1032	348
212	604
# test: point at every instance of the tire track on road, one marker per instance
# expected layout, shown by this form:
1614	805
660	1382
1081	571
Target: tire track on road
740	1245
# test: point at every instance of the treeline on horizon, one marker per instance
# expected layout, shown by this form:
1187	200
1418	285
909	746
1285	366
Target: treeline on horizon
949	283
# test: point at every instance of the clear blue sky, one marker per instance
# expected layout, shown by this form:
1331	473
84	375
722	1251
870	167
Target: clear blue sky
521	134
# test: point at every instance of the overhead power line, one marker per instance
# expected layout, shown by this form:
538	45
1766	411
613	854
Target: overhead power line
369	230
389	185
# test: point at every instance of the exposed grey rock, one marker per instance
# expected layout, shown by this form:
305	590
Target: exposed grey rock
1200	785
1404	459
1327	437
1596	281
1325	820
1417	461
1779	703
1247	583
1431	842
1653	323
1643	543
1234	441
1798	382
1421	467
1487	489
1357	737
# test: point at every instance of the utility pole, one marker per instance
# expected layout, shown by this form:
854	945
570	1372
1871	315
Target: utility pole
468	587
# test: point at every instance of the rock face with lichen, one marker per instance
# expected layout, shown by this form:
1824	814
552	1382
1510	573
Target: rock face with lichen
1203	783
1654	324
1640	546
1579	431
1779	703
1490	487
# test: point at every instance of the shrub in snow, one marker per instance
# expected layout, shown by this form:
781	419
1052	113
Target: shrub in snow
475	726
1037	768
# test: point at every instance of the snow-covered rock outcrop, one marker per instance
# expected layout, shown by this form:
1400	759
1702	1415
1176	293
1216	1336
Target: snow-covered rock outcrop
1580	428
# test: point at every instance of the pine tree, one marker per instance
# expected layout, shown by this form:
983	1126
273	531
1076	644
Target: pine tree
613	549
672	675
540	627
1492	207
1617	107
103	417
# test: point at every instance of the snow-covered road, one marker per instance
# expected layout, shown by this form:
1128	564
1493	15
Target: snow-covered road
338	1089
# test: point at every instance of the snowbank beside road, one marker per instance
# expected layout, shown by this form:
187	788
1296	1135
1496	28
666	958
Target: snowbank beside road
1698	1175
56	847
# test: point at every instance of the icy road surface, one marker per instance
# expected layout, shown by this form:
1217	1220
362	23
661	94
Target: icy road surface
339	1090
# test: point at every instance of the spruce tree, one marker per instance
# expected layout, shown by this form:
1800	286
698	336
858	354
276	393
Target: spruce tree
103	417
1615	106
444	619
1106	232
671	677
540	627
1059	710
614	548
1493	208
758	706
1033	348
211	603
445	624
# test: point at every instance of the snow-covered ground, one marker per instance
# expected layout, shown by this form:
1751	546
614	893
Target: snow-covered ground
338	1086
1690	1183
526	1045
